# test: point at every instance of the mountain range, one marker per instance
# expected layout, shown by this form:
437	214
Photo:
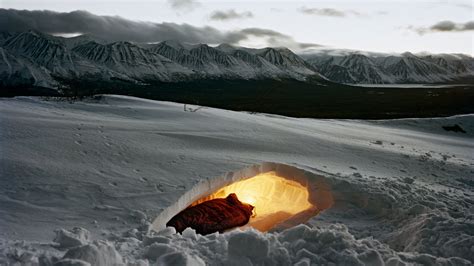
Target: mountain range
38	59
367	68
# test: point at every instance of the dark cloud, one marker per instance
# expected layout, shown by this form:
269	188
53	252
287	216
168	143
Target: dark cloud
468	25
114	28
444	26
184	5
328	12
274	38
111	28
463	5
230	15
304	46
263	32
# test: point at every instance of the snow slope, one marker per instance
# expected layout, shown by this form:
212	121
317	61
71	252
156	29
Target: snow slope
111	165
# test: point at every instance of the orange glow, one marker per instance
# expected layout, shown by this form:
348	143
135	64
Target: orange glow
275	198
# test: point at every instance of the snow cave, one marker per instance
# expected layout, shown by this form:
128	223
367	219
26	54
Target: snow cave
282	196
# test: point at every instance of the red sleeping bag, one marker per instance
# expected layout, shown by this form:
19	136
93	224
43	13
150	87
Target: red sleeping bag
216	215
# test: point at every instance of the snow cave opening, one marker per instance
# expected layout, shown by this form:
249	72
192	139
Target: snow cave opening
273	197
282	196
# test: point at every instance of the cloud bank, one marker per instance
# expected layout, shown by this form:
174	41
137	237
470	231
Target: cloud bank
445	26
327	12
230	14
114	28
184	5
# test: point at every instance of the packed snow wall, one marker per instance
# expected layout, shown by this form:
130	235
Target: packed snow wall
283	195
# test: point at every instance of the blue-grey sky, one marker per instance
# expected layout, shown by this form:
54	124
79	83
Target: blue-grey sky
382	26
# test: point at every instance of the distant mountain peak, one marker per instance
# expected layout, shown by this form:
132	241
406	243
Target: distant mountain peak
174	44
225	47
408	54
357	67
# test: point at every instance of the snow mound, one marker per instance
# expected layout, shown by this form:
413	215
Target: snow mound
72	262
97	253
180	258
72	238
297	245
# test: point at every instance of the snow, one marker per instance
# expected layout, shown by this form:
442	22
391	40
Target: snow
101	172
97	253
72	238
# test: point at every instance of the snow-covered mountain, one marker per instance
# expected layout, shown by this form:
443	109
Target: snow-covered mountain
130	60
453	63
33	58
18	71
41	59
356	67
4	35
410	68
353	68
177	53
44	50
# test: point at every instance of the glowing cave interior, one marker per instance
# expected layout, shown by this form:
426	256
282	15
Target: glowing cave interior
275	198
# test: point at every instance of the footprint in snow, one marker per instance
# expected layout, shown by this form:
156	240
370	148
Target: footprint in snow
159	187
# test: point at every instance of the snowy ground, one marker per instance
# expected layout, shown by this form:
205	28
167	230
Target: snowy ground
404	188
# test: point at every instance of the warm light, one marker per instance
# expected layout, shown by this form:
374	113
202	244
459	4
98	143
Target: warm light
248	199
275	198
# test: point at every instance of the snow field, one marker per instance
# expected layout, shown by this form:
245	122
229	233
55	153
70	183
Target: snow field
107	169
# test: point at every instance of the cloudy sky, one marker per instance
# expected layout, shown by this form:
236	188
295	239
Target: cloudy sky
443	26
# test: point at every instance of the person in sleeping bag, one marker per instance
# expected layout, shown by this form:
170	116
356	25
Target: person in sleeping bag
216	215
